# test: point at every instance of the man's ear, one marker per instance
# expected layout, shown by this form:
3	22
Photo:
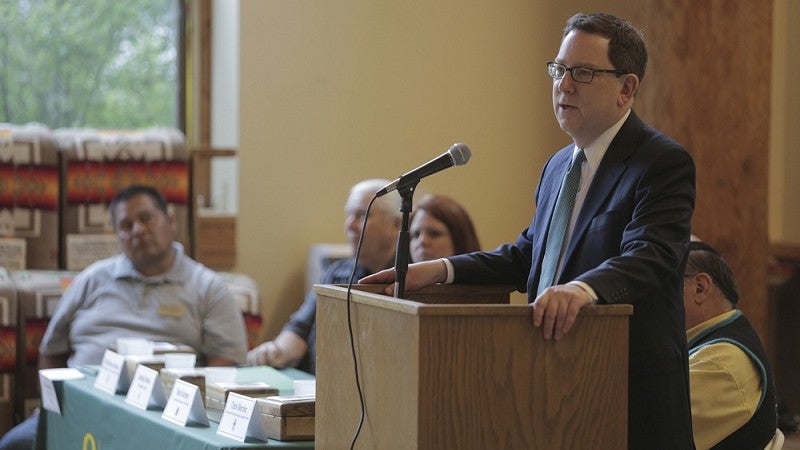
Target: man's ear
703	284
630	84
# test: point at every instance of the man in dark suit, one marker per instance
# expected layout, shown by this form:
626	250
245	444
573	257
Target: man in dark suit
625	232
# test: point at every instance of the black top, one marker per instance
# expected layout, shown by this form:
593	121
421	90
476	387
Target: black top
759	431
303	321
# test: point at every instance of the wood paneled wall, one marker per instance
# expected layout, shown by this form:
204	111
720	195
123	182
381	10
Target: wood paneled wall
708	86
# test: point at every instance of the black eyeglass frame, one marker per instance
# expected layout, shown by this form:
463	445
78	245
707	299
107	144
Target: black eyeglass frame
551	65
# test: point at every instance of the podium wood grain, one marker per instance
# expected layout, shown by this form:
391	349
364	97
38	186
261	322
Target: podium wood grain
467	376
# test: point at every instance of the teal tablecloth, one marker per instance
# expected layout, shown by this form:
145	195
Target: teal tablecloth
94	420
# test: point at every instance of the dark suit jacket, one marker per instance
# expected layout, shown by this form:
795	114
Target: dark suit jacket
629	244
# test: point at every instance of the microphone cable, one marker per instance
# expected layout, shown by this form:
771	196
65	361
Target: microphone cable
350	325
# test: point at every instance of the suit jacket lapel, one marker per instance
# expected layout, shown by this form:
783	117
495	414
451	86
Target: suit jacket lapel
610	171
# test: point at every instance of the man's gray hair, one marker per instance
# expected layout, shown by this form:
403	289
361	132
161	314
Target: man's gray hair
389	204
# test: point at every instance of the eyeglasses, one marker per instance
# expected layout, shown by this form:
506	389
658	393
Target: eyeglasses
579	74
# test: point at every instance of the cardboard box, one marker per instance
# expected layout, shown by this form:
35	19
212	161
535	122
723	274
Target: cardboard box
29	197
215	241
8	323
214	209
8	350
13	252
38	294
7	413
245	291
96	164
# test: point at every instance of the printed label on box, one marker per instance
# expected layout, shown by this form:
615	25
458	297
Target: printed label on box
12	253
84	249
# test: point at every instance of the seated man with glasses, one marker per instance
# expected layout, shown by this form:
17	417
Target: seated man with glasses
732	392
296	344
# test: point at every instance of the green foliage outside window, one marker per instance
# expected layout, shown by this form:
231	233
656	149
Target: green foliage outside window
89	63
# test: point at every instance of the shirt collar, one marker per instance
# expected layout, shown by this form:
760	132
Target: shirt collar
693	332
597	149
123	268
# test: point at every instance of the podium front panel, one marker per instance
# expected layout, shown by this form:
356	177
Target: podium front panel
468	376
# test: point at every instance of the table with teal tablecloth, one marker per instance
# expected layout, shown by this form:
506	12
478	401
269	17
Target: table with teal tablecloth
94	420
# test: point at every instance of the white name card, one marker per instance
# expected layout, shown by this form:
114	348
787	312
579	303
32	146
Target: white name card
146	389
108	378
239	419
185	405
48	388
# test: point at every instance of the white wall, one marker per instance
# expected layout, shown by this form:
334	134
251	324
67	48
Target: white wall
225	103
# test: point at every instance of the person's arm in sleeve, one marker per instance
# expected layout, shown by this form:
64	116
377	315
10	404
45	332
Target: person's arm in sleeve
224	335
653	248
506	264
654	240
290	346
725	389
286	350
55	347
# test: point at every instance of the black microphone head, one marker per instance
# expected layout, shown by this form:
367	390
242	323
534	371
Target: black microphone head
460	153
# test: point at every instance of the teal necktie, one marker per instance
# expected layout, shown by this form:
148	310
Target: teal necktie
556	236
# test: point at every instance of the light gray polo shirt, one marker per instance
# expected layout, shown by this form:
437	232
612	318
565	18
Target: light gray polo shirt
190	304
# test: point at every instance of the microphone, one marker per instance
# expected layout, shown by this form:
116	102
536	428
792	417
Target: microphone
458	154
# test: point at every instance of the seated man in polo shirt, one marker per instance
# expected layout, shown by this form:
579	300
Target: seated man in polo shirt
151	290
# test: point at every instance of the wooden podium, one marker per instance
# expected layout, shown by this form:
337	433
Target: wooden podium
457	367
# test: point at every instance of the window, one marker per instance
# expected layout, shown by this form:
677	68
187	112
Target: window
91	63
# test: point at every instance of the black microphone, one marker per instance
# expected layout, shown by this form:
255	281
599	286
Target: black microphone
457	155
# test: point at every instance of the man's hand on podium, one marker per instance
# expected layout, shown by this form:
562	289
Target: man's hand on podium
556	309
419	275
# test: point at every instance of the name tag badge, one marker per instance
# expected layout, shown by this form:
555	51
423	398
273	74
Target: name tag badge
171	310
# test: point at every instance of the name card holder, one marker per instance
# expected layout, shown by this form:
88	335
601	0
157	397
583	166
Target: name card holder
47	379
109	378
146	390
185	405
239	419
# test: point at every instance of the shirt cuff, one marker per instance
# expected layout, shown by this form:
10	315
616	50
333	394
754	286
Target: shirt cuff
451	272
586	288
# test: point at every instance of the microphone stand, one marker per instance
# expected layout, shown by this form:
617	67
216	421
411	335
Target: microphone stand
403	250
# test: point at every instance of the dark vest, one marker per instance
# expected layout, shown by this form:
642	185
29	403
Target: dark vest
758	432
